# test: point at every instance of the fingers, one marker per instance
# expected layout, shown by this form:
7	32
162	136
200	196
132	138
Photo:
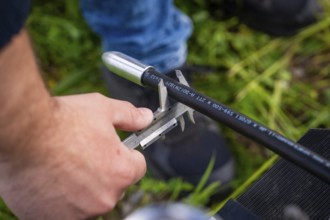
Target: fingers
137	164
127	117
140	165
123	115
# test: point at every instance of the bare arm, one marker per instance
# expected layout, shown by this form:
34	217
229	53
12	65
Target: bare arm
60	158
23	96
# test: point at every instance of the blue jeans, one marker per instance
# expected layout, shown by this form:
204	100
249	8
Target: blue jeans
152	31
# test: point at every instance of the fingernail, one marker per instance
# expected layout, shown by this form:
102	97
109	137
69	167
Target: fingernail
147	113
122	196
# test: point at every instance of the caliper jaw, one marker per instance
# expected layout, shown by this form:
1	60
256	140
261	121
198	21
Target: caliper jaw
166	117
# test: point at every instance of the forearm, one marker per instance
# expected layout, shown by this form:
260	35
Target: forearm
24	100
61	159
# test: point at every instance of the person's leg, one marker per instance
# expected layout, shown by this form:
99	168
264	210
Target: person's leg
155	32
274	17
152	31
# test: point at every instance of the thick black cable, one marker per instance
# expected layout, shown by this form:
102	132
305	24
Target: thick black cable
290	150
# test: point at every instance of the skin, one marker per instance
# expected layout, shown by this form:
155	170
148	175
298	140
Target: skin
60	157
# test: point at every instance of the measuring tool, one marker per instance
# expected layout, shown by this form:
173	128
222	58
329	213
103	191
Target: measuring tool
143	75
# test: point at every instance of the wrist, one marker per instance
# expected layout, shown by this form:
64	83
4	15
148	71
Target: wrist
19	136
26	104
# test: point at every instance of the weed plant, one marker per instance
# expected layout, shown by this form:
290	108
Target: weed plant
283	83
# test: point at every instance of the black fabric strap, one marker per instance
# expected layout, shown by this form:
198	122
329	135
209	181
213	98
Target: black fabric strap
12	17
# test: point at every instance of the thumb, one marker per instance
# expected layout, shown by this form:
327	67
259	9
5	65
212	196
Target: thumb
126	116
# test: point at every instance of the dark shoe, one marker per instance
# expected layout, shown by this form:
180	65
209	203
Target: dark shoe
187	154
274	17
181	154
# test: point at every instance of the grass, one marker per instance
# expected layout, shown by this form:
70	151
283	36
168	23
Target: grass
283	83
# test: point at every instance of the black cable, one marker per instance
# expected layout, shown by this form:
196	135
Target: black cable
281	145
131	69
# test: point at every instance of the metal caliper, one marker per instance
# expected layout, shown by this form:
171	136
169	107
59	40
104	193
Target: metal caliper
166	117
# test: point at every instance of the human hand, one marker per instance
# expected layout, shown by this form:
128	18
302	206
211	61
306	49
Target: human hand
77	167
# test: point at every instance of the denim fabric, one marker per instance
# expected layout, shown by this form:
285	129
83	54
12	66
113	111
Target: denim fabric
152	31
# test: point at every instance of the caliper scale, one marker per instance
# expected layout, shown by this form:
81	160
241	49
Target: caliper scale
166	117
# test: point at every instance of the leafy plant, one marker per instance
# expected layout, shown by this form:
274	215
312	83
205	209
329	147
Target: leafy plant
283	83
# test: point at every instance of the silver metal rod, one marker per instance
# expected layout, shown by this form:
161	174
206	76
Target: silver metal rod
124	66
